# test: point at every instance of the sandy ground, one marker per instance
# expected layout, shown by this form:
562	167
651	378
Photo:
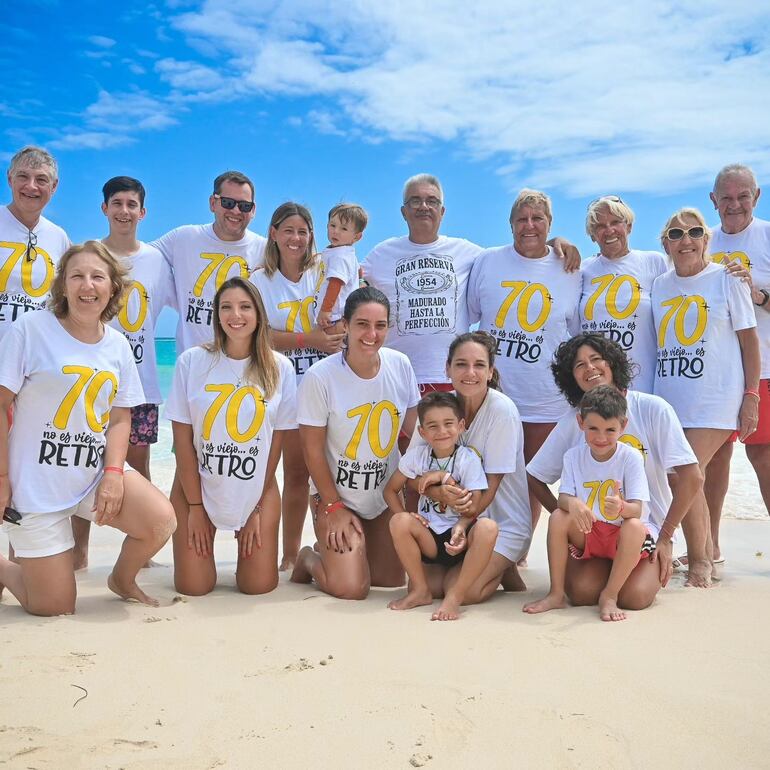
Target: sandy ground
297	679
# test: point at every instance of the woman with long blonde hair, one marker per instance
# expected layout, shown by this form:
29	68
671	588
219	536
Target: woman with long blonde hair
231	403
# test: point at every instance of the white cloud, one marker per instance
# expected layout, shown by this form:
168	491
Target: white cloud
637	96
90	140
189	76
101	41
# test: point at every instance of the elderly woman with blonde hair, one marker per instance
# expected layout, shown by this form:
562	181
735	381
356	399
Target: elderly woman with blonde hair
708	360
616	287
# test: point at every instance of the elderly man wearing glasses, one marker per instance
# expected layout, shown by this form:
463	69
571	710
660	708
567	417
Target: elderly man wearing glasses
30	245
203	257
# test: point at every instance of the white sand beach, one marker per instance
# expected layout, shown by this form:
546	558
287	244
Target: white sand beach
297	679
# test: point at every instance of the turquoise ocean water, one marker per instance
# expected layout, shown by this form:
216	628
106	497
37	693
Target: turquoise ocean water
165	350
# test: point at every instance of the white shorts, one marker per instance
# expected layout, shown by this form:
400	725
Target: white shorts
46	534
511	545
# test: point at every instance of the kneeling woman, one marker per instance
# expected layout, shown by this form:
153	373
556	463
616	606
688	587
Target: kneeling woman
352	406
71	381
230	403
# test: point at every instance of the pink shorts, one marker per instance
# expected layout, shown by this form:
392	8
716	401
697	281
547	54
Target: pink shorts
602	543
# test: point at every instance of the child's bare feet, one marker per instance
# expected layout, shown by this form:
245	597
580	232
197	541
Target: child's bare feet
301	573
608	608
449	609
549	602
130	592
699	574
414	598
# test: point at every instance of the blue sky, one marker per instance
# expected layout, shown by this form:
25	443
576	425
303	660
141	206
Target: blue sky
327	101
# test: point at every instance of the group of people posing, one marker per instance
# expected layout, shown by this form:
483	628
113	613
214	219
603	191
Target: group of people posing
422	449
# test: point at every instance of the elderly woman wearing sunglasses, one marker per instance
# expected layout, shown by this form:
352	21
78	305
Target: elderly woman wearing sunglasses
615	300
708	360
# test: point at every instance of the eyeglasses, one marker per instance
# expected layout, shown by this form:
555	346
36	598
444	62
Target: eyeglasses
677	233
31	253
432	203
231	203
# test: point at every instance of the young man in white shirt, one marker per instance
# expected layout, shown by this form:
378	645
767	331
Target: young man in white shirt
743	240
203	257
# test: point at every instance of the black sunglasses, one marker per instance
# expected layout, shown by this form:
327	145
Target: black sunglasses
677	233
231	203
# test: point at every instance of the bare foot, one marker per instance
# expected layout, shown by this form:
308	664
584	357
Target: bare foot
608	608
415	598
699	574
286	564
449	609
548	602
300	573
511	580
131	592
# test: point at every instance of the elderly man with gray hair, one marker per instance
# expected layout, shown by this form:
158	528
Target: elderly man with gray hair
30	245
743	242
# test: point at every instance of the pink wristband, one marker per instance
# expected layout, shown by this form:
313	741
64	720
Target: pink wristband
113	469
750	392
301	340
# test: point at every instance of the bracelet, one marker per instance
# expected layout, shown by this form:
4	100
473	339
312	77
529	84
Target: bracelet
666	532
766	299
750	392
335	506
301	340
190	505
114	469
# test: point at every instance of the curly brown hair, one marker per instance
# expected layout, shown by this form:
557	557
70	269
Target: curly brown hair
118	273
564	360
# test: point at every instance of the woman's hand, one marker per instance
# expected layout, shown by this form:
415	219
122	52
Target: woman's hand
663	553
748	417
326	343
200	531
250	534
344	529
109	497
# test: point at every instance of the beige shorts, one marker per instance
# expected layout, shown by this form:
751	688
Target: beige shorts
46	534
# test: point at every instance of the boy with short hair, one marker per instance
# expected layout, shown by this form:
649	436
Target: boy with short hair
601	501
346	225
434	536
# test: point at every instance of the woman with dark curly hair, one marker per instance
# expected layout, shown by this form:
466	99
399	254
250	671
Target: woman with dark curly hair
581	364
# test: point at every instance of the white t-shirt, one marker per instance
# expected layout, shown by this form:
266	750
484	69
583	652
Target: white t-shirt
363	419
700	370
653	429
339	262
292	307
497	436
24	284
530	306
201	263
232	427
591	480
426	285
615	302
150	291
752	247
64	392
465	468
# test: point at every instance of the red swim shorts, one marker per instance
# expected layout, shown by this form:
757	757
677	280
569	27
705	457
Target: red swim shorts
602	543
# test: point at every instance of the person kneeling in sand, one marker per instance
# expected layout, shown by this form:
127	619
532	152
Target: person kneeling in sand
433	535
603	488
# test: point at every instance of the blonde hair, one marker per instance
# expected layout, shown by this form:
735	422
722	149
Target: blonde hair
262	369
272	254
614	205
678	215
529	197
118	279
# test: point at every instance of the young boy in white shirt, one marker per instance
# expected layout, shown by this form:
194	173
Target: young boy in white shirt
601	501
347	222
435	536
